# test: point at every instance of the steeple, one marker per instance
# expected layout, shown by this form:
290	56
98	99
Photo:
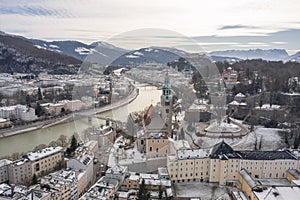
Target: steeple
167	87
167	103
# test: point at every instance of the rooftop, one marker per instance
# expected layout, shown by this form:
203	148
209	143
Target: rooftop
266	155
279	193
43	153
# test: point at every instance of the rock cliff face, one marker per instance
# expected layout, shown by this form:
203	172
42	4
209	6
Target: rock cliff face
18	55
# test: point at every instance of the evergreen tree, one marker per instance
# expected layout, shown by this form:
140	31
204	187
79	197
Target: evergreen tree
39	110
160	193
143	193
74	143
34	180
39	94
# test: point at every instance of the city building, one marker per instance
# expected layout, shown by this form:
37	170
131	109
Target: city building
53	109
20	171
166	101
266	188
17	192
152	181
4	170
221	164
157	125
45	160
230	76
4	123
83	160
18	112
105	188
66	183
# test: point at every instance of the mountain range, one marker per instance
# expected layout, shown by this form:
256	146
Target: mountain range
20	54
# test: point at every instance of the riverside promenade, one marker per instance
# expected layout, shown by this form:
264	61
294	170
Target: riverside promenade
7	132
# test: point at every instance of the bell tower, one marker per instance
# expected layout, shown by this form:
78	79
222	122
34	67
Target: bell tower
166	100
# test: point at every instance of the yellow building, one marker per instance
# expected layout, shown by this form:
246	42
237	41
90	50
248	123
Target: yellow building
221	164
45	160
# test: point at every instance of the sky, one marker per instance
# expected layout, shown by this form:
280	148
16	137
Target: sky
212	24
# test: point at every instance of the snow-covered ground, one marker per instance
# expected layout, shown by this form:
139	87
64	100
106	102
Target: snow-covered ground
263	138
124	157
202	190
222	127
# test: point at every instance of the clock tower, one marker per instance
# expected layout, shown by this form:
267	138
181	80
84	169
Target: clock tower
166	100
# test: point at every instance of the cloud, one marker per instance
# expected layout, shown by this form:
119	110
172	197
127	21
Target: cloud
236	27
34	11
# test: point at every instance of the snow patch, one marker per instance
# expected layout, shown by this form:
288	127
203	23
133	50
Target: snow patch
40	47
53	46
83	51
132	56
138	53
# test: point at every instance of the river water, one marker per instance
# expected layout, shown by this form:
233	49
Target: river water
27	141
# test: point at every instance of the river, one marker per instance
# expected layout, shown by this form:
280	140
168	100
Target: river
27	141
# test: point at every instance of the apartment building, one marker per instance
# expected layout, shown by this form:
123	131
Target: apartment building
4	170
63	181
20	171
45	160
221	164
20	112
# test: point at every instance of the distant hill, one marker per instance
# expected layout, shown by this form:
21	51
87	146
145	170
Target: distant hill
225	59
270	54
18	54
97	52
159	55
294	58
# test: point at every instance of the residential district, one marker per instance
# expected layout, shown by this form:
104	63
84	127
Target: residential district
185	147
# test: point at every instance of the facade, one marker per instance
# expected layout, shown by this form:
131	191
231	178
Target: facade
45	160
53	109
20	171
4	123
4	170
221	164
152	181
104	135
264	189
229	76
20	112
83	160
63	181
72	105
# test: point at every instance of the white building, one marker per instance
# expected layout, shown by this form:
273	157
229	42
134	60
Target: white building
4	170
21	112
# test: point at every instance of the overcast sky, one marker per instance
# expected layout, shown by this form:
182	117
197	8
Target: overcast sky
213	24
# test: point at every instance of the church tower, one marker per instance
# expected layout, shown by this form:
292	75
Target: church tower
166	100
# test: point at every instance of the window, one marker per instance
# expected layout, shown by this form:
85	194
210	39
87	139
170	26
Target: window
150	149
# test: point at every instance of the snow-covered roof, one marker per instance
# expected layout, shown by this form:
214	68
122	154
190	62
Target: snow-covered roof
240	95
43	153
269	107
193	153
279	193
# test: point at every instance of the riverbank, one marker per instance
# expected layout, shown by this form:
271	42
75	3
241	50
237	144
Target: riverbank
67	118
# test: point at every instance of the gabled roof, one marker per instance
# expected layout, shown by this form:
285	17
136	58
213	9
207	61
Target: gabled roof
221	149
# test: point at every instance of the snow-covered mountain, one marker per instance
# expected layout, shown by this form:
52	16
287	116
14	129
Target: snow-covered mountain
97	52
294	58
159	55
269	54
18	54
